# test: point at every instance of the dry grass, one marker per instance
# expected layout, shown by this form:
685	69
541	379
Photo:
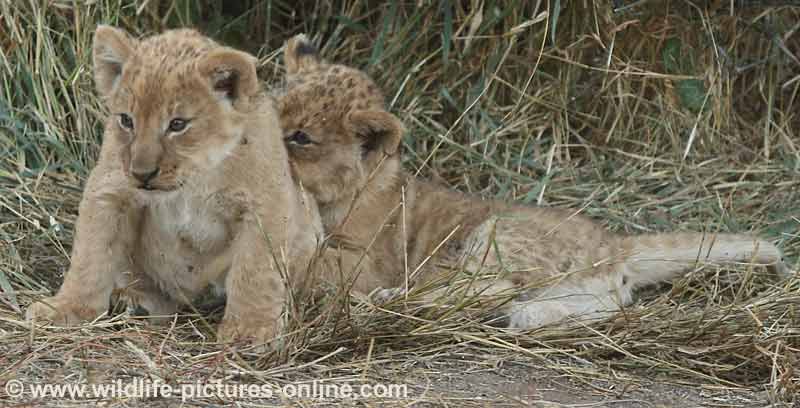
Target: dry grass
665	115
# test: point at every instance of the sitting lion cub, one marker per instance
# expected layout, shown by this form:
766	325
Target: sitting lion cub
393	230
192	188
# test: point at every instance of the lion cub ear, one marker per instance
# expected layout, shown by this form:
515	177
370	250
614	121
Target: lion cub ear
300	55
112	47
230	74
378	129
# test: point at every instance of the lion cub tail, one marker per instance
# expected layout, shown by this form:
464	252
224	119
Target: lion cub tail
658	257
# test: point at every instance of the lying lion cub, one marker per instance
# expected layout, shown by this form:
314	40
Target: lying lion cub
393	230
192	188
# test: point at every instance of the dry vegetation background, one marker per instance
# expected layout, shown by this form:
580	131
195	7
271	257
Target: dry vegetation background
648	115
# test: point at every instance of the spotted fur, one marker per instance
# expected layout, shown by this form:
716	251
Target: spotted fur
393	230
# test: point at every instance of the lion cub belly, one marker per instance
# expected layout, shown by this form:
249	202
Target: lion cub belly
184	244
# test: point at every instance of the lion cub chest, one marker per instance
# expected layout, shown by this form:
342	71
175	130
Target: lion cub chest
185	240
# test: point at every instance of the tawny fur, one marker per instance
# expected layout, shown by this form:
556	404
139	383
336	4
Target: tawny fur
222	208
392	230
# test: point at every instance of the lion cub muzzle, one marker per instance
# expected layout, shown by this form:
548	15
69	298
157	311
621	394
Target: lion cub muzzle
145	162
144	176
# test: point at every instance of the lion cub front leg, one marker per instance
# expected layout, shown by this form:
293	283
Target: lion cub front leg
254	289
105	231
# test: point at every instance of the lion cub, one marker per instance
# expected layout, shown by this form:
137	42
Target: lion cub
393	230
192	188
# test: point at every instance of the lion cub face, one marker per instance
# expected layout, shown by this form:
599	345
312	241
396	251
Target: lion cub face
335	126
174	100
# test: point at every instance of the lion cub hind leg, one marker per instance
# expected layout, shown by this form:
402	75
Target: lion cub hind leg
467	289
646	259
594	298
560	265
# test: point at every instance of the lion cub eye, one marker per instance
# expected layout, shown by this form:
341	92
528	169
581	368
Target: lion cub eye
125	121
300	138
177	125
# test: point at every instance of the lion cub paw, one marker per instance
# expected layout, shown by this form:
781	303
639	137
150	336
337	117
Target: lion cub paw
57	312
262	336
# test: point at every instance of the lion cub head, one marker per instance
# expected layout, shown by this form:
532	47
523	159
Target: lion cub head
176	101
336	129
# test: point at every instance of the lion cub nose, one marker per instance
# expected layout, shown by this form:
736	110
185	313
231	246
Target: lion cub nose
144	175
